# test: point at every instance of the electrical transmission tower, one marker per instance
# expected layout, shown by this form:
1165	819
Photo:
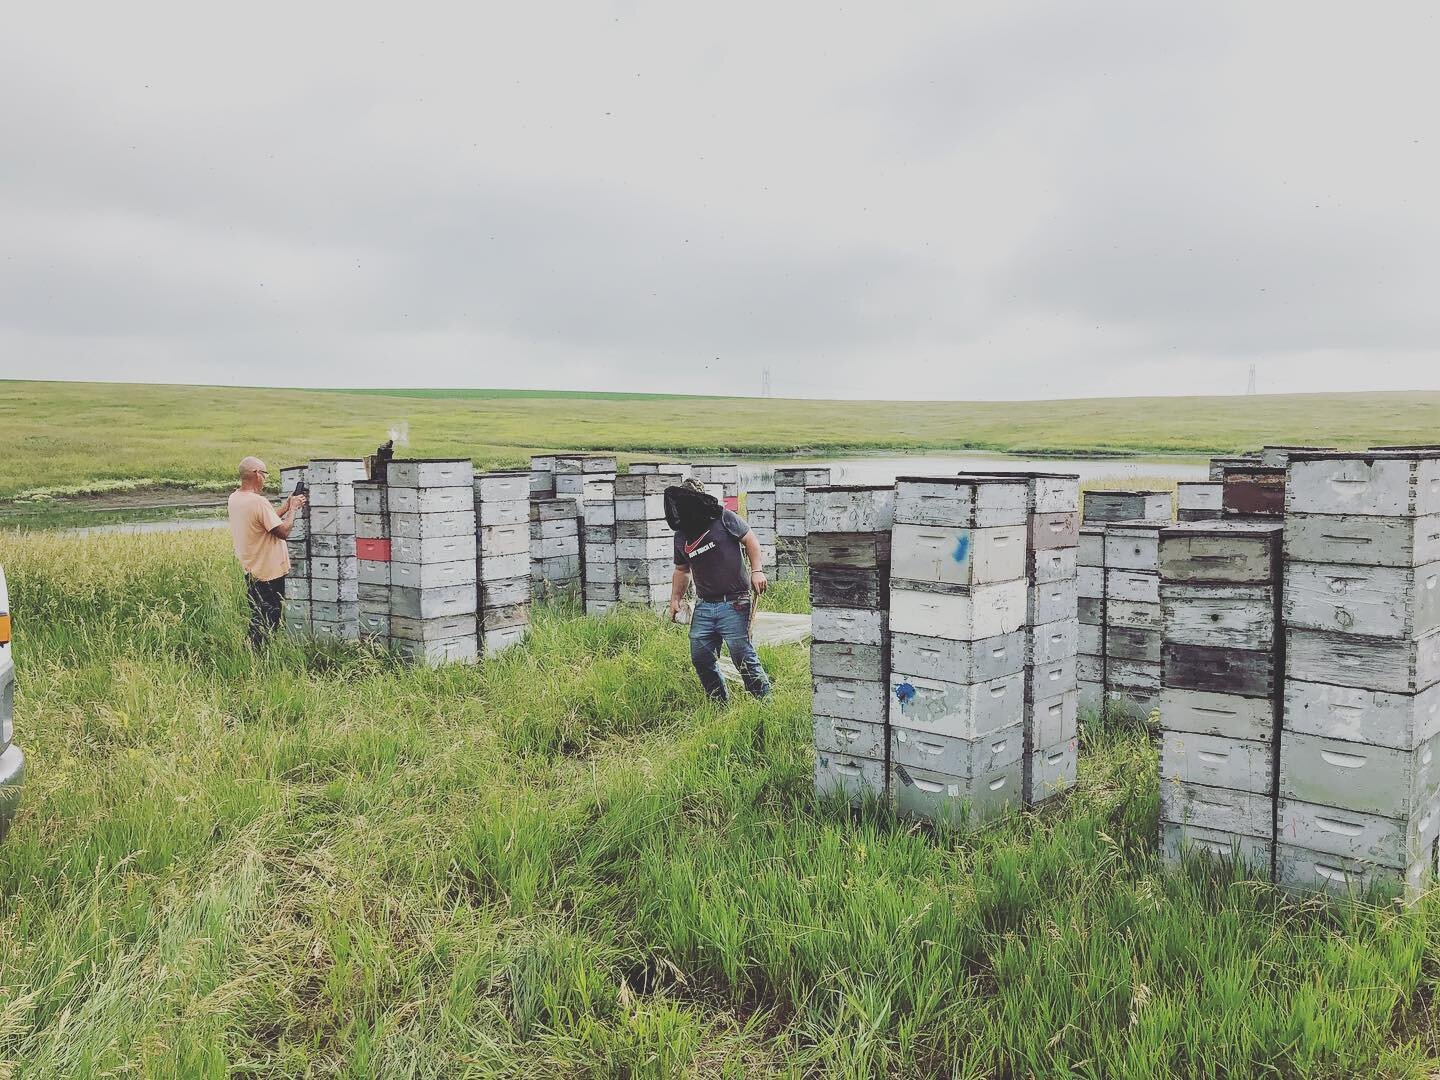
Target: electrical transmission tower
765	383
1250	386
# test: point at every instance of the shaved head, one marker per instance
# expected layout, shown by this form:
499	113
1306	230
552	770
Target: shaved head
250	466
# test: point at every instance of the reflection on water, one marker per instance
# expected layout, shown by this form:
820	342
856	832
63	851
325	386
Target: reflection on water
883	470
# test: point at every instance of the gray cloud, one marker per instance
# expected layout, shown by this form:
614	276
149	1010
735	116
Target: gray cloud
1000	200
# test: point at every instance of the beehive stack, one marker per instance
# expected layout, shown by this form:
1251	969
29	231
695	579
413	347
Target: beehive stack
849	555
1358	771
1198	500
570	476
1052	635
555	545
722	481
330	533
502	559
648	468
760	516
542	476
372	559
644	541
433	596
1132	615
1219	711
958	599
542	487
790	487
1052	505
1130	609
602	581
295	612
1090	603
574	471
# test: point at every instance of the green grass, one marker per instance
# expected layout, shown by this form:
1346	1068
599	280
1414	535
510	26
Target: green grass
64	435
566	863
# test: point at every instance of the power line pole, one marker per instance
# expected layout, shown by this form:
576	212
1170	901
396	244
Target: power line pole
765	383
1250	386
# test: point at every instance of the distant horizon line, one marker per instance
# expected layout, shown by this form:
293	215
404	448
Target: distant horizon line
499	391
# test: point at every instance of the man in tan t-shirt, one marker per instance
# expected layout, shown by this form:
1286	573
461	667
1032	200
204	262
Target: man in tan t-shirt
259	534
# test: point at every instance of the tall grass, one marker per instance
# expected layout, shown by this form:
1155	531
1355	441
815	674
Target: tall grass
568	863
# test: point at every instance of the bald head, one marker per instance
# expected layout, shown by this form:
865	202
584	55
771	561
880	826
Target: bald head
252	474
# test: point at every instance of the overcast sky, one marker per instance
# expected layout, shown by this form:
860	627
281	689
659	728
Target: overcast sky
977	200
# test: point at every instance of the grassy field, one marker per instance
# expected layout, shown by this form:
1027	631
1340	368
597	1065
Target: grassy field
566	863
85	436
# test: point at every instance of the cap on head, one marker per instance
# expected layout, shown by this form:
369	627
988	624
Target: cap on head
693	484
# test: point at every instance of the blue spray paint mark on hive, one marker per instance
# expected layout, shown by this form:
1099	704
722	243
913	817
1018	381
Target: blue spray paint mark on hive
962	547
904	693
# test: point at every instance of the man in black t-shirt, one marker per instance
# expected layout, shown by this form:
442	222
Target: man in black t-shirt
722	598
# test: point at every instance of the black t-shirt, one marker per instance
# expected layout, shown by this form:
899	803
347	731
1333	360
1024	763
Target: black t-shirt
714	558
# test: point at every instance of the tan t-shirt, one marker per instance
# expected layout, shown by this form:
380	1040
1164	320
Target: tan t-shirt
262	554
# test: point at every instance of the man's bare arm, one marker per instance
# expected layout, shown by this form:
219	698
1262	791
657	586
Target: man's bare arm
679	585
287	516
758	580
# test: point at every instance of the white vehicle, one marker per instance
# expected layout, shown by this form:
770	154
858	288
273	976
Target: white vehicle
12	761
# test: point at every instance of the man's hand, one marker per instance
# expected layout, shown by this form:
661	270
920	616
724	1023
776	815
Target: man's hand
294	503
674	608
758	581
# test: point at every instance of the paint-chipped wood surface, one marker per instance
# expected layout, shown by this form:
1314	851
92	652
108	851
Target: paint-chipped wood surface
1363	541
1247	672
1236	616
1372	601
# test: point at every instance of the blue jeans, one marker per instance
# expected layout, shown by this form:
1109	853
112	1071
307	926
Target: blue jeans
715	621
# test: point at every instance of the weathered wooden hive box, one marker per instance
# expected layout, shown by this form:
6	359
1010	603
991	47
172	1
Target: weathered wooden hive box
642	468
958	606
598	546
295	611
1253	491
1359	785
329	535
433	588
791	484
1106	506
542	476
1132	614
1219	716
1052	695
555	544
502	560
644	541
1199	500
849	552
373	549
1090	610
760	516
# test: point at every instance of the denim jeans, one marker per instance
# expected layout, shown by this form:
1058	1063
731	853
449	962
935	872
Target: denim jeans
264	597
715	621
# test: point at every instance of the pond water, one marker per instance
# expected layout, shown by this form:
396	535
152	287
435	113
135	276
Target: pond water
883	469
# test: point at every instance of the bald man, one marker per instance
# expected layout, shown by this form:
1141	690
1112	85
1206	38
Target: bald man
259	534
